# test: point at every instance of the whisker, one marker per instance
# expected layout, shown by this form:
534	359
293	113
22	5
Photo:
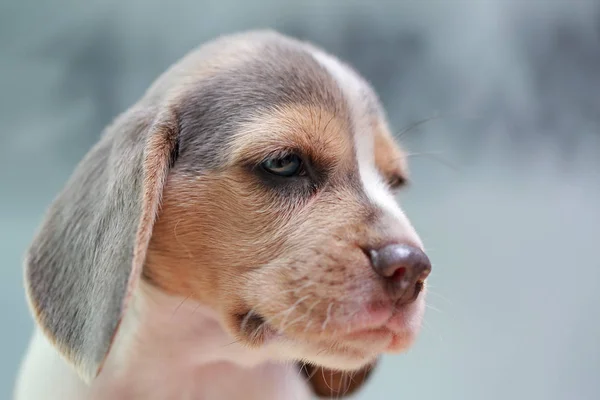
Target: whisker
328	348
287	312
433	308
246	319
435	156
416	124
302	370
179	305
305	315
255	332
196	309
325	379
434	117
290	310
429	329
340	385
420	153
232	343
349	380
429	291
312	375
328	317
309	323
283	312
277	294
187	250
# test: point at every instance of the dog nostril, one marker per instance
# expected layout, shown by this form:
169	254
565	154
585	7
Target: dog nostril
398	274
404	267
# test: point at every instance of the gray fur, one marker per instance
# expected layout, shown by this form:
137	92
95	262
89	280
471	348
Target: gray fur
283	72
79	263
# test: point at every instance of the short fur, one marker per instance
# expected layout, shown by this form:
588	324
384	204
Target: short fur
173	195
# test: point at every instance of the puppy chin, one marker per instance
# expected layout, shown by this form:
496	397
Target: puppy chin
378	333
339	359
343	363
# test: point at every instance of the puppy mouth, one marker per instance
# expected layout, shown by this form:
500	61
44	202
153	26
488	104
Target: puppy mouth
379	329
255	331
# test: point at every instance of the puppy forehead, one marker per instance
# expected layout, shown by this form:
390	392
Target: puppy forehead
277	74
321	138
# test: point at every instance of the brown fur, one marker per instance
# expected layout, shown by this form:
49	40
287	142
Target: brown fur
390	159
221	237
327	383
320	135
224	240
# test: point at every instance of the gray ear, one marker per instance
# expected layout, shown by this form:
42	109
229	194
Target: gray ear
87	257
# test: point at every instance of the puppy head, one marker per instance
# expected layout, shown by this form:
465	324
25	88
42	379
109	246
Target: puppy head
276	173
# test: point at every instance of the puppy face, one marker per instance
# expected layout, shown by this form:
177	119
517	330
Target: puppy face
281	191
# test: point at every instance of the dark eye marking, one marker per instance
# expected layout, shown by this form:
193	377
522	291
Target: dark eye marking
290	173
284	166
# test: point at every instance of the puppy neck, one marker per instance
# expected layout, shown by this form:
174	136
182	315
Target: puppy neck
160	328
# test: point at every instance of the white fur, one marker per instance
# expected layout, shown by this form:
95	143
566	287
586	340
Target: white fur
167	348
355	89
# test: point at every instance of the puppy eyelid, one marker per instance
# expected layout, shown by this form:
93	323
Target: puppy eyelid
308	175
282	153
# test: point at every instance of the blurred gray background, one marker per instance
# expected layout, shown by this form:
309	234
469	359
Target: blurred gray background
506	182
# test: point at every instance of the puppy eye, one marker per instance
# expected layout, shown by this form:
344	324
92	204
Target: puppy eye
286	166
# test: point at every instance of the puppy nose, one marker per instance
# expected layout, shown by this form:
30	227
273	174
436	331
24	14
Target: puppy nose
404	268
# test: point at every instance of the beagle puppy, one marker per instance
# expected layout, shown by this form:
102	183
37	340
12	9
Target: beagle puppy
233	235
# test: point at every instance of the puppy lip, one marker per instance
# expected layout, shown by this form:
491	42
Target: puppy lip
407	318
378	316
381	327
371	335
395	336
381	321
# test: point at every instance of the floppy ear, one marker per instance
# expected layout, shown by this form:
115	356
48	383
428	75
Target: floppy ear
327	383
87	257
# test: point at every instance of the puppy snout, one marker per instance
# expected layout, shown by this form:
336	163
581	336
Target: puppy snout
404	269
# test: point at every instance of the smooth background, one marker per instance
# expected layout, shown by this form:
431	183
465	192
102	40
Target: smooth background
506	190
